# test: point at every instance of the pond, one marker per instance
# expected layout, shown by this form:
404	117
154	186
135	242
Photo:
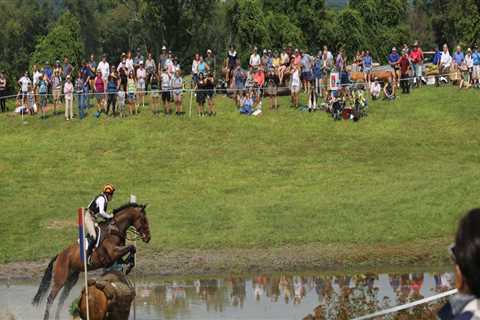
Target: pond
260	296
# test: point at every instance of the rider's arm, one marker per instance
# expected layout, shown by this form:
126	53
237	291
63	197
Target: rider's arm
101	205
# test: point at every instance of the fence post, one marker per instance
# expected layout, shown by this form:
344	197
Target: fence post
83	258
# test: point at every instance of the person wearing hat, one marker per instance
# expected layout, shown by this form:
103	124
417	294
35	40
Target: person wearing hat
210	61
393	59
162	59
141	82
416	57
96	210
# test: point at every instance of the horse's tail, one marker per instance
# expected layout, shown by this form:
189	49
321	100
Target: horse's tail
45	283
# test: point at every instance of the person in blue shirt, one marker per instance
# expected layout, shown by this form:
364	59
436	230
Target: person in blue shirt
437	56
458	56
367	66
112	87
393	59
317	73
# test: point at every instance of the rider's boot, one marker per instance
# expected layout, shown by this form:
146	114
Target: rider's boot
91	244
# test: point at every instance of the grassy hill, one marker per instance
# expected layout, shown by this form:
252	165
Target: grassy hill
402	175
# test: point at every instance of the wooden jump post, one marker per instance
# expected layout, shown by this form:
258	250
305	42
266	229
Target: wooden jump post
83	254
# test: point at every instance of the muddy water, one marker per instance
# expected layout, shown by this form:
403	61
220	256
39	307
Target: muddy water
262	296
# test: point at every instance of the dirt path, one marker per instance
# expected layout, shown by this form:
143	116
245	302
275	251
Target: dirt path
316	257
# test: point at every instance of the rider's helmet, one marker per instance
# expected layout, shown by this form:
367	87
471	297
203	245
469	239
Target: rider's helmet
108	188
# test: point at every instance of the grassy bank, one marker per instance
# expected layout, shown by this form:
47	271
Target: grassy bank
402	175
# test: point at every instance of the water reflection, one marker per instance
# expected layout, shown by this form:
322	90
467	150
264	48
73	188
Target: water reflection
283	296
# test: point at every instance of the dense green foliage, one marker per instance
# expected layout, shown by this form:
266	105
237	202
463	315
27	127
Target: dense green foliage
187	26
403	174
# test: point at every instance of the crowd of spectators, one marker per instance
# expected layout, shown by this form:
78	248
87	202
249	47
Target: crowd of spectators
112	88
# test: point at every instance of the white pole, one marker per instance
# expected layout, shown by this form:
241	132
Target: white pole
191	98
85	269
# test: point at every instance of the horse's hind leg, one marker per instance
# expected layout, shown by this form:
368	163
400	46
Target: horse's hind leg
69	284
60	276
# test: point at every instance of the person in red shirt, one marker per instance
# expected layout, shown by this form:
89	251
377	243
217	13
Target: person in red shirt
416	57
404	64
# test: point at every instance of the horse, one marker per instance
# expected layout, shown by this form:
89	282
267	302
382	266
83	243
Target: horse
67	265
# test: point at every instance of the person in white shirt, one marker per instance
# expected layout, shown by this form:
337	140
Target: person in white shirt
24	82
255	58
295	85
129	62
68	92
104	68
195	63
141	81
445	63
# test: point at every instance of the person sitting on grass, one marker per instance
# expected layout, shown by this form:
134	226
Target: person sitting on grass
389	90
375	89
465	253
247	103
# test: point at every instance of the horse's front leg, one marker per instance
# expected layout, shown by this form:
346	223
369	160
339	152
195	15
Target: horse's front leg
119	251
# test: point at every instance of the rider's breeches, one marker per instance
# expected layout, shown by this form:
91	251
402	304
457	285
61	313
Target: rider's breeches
90	225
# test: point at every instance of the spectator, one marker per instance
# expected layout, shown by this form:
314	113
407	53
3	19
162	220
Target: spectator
99	93
210	62
47	70
56	90
201	95
121	101
465	253
210	90
92	65
469	64
445	63
389	90
437	56
141	83
150	68
367	67
458	56
272	89
104	68
129	62
239	76
306	63
416	57
79	87
295	85
317	73
254	59
195	72
404	64
393	59
68	92
177	90
112	88
166	87
3	92
138	58
67	67
285	64
162	59
155	93
58	68
43	91
36	78
246	103
131	94
24	83
476	67
375	89
30	99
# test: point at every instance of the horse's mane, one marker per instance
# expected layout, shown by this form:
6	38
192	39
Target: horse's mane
126	206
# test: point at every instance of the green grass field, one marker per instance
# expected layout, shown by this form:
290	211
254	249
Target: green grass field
402	175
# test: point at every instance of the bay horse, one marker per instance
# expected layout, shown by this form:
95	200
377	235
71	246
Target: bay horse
66	266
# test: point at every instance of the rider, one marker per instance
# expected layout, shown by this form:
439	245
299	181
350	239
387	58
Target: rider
97	209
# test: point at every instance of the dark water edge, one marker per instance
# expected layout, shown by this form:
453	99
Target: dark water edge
260	295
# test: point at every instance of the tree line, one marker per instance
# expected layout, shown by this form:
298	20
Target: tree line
36	31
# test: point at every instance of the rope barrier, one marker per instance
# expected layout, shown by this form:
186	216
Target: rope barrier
407	305
227	90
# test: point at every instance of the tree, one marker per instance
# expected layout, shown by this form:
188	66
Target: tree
63	40
282	31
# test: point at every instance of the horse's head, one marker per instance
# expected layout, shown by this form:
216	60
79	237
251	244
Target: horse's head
140	222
